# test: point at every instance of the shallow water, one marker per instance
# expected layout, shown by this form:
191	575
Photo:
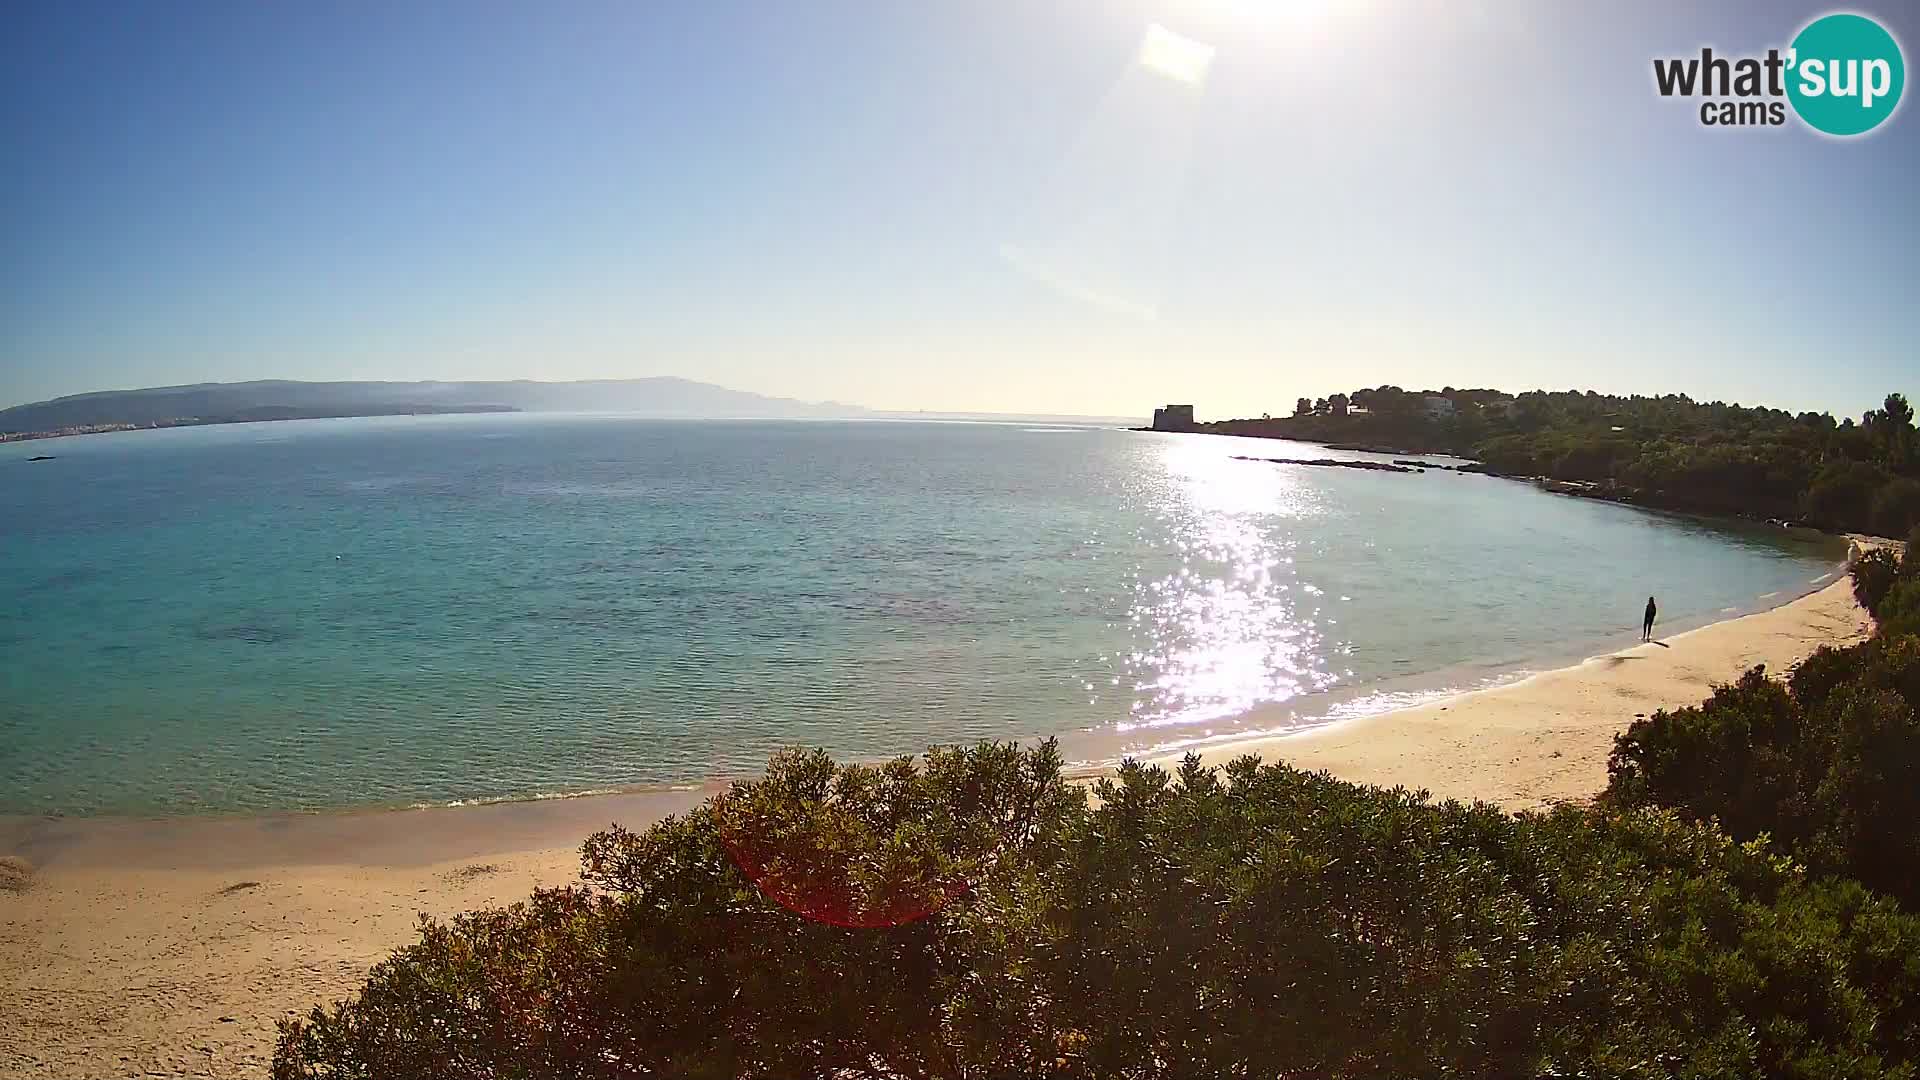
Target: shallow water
407	610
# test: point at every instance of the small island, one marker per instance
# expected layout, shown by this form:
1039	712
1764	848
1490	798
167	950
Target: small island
1334	463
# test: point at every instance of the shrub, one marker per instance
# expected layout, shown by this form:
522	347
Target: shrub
1874	572
1729	759
1828	764
1251	921
1900	609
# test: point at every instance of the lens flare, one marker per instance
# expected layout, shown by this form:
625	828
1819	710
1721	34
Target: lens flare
1098	229
1176	56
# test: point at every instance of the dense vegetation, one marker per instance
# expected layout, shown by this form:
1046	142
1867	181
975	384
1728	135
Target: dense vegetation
979	916
1826	764
1889	587
1665	451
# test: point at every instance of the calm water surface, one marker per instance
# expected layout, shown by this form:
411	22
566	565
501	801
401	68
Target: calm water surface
421	610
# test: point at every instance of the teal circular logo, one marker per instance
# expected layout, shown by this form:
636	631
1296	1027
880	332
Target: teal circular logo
1845	74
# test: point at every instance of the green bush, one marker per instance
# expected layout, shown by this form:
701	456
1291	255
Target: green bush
1827	764
1900	609
1252	921
1874	572
1889	587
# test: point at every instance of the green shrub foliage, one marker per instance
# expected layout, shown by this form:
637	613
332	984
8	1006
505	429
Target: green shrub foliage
1899	612
1827	764
1255	921
1874	574
1899	608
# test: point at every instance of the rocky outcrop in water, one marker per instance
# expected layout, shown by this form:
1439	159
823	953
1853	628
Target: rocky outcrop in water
1370	466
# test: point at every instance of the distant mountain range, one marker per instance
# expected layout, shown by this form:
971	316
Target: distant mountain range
234	402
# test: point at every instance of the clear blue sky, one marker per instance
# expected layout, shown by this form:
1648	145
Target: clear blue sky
977	204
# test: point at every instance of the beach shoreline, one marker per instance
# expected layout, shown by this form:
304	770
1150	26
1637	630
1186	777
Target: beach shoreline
1544	739
171	946
1284	720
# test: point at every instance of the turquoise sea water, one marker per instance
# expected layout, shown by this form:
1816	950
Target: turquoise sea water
424	610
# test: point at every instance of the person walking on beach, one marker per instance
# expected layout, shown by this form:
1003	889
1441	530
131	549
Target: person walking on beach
1646	625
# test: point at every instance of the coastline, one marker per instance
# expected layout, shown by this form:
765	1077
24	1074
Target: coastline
1270	723
1602	491
171	946
1544	739
288	414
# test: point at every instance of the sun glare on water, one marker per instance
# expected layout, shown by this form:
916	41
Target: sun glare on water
1233	627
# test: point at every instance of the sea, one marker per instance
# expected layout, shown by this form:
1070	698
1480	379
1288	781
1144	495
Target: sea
407	611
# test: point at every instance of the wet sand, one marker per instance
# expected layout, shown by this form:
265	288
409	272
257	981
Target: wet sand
170	948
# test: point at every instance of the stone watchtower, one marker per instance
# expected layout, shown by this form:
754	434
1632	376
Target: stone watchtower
1173	418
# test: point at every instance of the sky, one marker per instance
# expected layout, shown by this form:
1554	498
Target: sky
975	205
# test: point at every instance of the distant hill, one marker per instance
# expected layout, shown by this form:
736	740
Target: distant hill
663	397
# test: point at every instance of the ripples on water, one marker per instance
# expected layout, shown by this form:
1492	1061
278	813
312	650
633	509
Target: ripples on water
1233	627
423	610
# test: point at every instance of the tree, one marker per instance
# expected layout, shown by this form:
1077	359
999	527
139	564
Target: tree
1899	413
1897	416
1896	506
1391	400
1841	494
1337	404
1303	407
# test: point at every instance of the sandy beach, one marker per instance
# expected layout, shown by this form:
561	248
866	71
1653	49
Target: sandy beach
170	948
1545	739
